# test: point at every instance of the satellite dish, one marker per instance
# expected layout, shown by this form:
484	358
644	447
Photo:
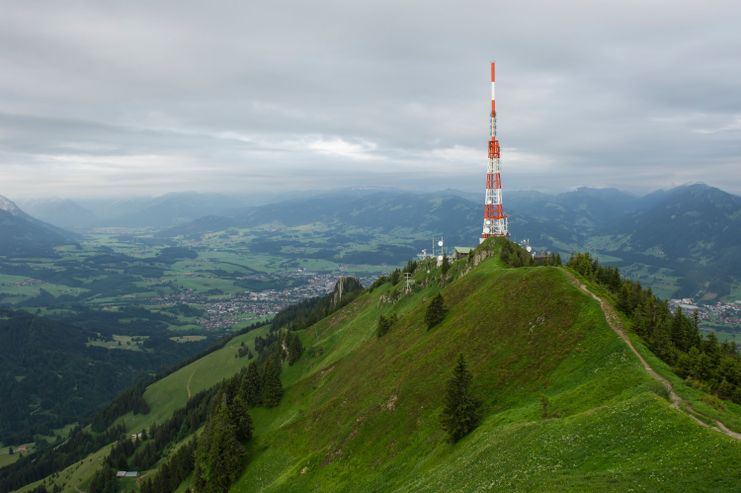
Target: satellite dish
529	248
440	243
486	230
440	258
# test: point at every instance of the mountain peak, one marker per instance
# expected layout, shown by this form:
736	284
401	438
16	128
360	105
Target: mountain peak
9	206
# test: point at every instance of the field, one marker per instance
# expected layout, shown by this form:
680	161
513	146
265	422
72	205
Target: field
125	343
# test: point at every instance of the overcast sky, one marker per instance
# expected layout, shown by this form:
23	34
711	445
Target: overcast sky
147	97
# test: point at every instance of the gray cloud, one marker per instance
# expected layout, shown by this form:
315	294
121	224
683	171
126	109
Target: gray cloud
148	97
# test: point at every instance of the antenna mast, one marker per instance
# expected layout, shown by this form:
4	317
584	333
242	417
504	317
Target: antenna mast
495	221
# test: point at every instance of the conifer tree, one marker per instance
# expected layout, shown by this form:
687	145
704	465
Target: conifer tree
251	385
240	418
218	454
384	325
462	410
295	348
272	389
435	311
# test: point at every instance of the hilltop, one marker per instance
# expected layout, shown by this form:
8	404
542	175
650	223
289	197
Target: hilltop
567	405
362	413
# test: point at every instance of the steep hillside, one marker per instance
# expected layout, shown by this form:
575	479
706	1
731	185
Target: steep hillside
24	236
567	405
362	414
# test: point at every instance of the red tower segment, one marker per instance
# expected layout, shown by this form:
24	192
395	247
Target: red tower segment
495	221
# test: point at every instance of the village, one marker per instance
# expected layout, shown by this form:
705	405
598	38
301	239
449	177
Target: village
720	313
224	312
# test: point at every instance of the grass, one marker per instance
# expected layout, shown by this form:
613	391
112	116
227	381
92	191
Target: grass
6	458
362	414
124	343
171	393
19	288
186	339
712	409
75	477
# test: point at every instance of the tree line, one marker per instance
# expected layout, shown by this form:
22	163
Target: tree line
307	312
218	455
38	465
672	335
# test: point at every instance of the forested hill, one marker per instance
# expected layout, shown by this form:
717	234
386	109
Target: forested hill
490	373
55	374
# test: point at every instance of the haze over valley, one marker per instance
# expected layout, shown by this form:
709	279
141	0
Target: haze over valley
291	247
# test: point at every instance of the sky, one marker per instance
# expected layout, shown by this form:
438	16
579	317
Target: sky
106	98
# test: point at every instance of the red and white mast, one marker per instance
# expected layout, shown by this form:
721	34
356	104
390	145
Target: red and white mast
495	222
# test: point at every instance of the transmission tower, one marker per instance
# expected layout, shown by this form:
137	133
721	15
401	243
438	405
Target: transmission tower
495	221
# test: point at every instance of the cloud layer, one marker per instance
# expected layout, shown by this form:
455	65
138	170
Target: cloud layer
101	98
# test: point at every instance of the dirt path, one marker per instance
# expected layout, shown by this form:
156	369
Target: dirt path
187	386
677	402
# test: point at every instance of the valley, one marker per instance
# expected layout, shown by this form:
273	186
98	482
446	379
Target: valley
146	299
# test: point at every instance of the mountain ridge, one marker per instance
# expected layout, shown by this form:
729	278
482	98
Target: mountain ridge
24	235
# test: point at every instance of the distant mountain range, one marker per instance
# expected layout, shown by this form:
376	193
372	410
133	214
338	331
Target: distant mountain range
686	240
137	212
24	236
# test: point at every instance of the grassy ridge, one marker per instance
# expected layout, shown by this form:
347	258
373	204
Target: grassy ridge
361	414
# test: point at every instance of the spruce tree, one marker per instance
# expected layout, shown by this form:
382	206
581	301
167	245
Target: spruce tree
435	311
272	389
295	348
240	418
219	454
462	410
384	325
251	385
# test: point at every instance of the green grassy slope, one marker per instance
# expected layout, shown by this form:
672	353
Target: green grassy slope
171	393
164	397
362	414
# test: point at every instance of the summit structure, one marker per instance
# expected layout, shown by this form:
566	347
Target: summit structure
495	221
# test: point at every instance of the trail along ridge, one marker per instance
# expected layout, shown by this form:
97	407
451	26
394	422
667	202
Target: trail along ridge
677	402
